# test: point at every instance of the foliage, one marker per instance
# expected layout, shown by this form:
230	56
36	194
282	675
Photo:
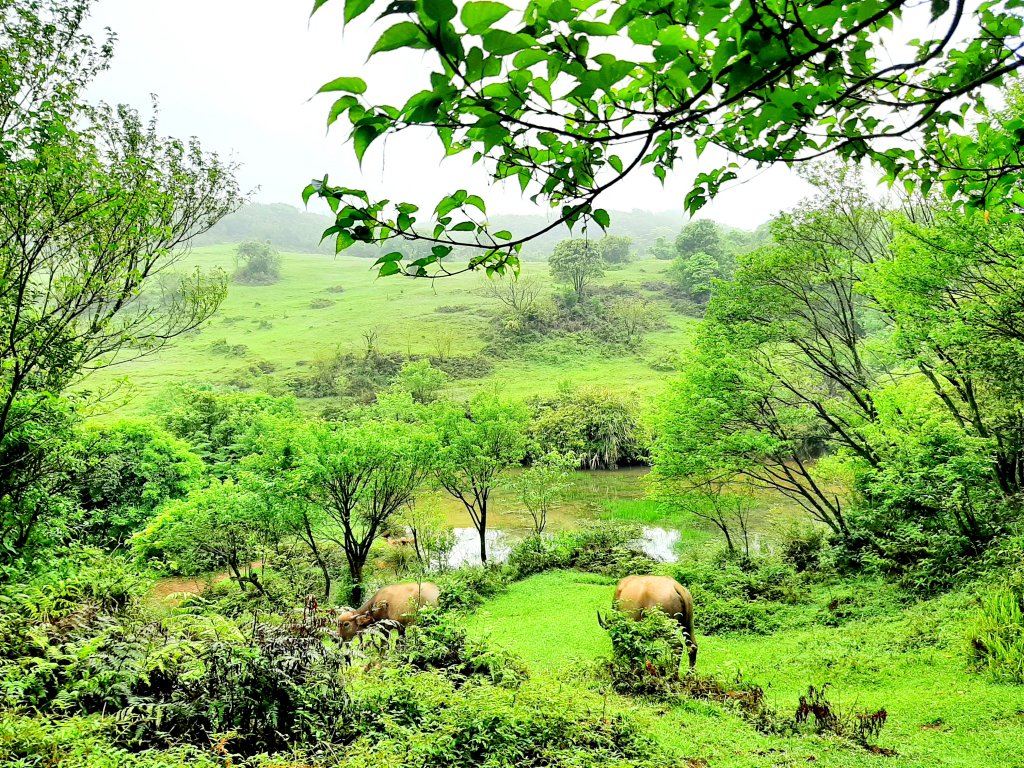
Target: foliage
542	485
219	424
467	588
360	475
578	263
128	470
700	237
997	633
478	443
663	250
802	547
604	549
422	380
257	263
693	275
94	205
615	249
598	426
221	525
529	95
647	653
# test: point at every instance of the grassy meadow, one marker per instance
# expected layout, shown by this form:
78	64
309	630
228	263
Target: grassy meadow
911	660
325	304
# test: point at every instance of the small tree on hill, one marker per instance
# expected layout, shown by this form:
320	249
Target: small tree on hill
576	262
700	236
693	275
257	263
615	249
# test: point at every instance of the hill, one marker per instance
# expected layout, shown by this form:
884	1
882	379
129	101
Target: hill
265	337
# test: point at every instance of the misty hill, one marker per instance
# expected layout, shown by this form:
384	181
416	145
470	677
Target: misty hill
291	229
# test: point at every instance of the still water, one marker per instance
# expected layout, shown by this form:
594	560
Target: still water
657	543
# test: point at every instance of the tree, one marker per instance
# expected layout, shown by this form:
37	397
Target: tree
576	262
615	249
127	471
663	250
518	293
94	206
421	380
221	426
478	443
700	236
257	263
693	275
360	475
543	484
537	97
633	318
221	525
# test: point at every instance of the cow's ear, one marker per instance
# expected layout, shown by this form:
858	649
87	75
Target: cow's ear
362	621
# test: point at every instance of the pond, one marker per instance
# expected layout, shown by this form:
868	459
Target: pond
657	543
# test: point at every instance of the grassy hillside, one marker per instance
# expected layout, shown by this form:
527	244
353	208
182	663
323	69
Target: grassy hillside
324	304
910	661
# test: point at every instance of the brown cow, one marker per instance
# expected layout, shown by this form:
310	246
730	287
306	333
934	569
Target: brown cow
398	602
636	594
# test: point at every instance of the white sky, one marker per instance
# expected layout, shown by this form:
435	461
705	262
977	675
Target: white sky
239	75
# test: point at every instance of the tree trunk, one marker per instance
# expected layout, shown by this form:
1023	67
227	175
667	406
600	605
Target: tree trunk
355	570
311	541
482	530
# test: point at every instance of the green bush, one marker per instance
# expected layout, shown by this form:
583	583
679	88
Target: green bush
802	547
997	634
647	654
714	614
466	588
602	548
438	641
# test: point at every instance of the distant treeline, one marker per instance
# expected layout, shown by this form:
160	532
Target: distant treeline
291	229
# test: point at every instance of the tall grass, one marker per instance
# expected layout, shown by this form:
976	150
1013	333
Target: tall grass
997	637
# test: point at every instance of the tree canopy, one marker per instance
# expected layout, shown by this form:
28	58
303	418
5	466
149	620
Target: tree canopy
539	97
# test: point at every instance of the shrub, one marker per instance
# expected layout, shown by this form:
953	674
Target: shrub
603	548
257	263
802	547
600	427
439	641
647	654
997	634
466	588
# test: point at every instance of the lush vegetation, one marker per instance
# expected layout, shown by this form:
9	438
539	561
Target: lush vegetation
818	424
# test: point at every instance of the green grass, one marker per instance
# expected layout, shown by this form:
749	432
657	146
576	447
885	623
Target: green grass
304	317
911	661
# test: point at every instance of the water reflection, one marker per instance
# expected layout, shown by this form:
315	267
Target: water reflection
660	544
467	547
657	543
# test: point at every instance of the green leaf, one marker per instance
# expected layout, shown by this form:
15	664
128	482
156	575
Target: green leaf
615	162
346	84
316	6
404	34
939	7
389	268
362	137
355	8
503	234
502	43
439	10
602	218
479	16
